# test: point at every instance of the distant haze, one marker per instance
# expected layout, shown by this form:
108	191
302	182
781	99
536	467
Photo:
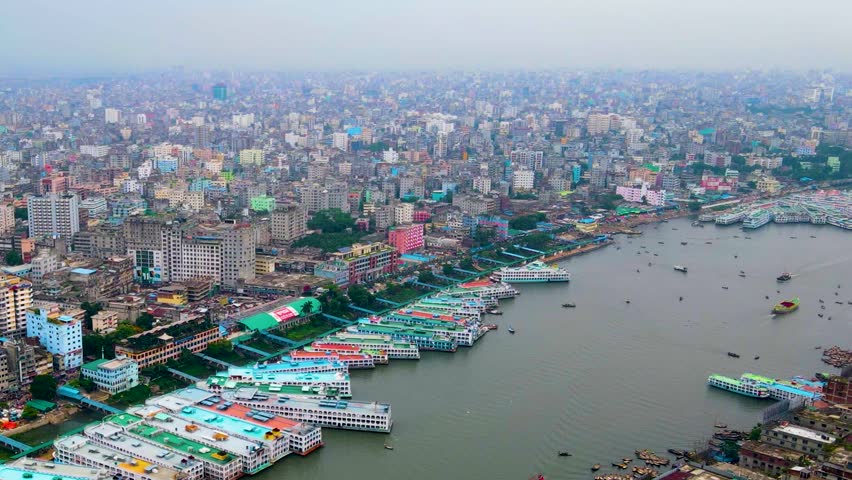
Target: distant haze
97	36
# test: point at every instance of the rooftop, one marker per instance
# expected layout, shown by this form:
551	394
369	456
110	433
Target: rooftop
805	433
106	455
143	448
41	470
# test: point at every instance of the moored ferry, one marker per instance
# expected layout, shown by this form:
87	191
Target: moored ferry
757	219
743	386
532	272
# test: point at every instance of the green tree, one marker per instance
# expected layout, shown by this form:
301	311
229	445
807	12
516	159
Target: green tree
307	309
334	302
731	451
43	387
694	206
145	321
332	220
88	384
644	200
360	296
220	347
447	269
538	241
426	276
610	201
527	222
21	213
14	258
91	309
466	263
29	413
755	433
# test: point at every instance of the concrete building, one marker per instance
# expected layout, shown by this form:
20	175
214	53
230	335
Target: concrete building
642	194
59	333
113	376
597	123
523	180
403	213
112	115
159	346
105	322
482	185
53	215
360	262
7	218
406	238
47	261
799	439
16	297
288	224
316	197
340	141
251	156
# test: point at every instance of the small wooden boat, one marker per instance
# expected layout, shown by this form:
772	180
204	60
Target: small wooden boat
388	447
596	467
720	425
683	243
568	305
724	287
733	355
680	299
511	330
757	357
564	454
627	301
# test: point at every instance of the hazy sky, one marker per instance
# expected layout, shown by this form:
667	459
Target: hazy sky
95	36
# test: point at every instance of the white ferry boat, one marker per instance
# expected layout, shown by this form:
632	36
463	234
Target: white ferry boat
532	272
730	218
757	219
741	386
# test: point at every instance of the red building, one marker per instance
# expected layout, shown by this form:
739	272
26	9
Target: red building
406	238
422	216
838	390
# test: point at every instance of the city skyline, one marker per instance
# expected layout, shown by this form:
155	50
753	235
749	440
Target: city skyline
381	35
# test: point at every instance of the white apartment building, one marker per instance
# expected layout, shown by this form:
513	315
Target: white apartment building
7	218
523	180
340	141
96	151
113	376
403	213
112	115
482	185
59	334
53	215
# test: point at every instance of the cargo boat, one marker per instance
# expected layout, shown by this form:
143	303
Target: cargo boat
786	306
533	272
743	387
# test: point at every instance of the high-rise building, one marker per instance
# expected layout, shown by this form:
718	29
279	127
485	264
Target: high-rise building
406	238
220	92
318	197
202	136
523	180
16	296
7	218
482	185
112	115
403	213
598	123
53	215
288	224
441	145
59	333
359	263
251	156
340	141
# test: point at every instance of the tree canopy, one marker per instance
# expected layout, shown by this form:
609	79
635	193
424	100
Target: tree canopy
145	321
332	220
527	222
43	387
14	258
360	296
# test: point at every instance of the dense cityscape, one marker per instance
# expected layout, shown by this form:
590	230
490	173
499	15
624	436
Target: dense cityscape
199	258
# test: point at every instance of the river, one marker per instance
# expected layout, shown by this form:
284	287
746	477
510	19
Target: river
607	377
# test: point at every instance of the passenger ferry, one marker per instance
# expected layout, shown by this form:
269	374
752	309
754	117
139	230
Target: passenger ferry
325	412
394	349
743	386
730	218
532	272
757	219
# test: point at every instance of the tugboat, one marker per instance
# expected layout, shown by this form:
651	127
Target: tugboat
568	305
511	330
784	277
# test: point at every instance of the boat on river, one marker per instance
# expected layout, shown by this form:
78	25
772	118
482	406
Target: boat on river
784	277
742	387
680	268
786	306
533	272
